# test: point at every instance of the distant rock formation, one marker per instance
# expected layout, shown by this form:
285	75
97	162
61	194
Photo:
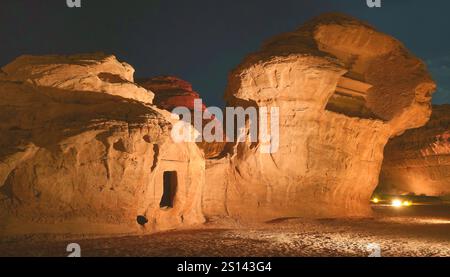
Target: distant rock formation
172	92
343	89
418	162
83	151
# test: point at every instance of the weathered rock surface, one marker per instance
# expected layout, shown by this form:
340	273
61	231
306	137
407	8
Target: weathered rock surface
172	92
82	151
343	90
87	73
419	161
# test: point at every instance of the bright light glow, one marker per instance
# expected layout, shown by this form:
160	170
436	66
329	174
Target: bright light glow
397	203
376	200
407	203
435	221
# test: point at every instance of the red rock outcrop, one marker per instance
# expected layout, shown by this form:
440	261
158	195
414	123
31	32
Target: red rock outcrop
83	151
172	92
343	90
419	161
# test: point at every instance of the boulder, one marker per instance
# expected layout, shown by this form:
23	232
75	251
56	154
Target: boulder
82	151
343	89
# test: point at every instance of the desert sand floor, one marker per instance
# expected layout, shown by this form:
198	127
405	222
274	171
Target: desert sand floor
415	231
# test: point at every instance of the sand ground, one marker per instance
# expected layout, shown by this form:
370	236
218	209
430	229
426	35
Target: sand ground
422	231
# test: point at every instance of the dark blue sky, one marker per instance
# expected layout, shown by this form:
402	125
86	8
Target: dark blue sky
202	40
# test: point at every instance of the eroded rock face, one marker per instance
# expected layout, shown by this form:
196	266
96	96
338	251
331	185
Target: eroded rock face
343	90
83	151
172	92
83	73
419	161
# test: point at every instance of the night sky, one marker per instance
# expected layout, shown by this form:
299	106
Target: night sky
202	40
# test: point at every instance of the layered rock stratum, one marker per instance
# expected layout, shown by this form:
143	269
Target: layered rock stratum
418	162
83	150
343	90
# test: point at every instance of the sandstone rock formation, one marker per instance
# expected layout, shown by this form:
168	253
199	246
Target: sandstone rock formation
83	151
419	161
170	93
79	73
343	89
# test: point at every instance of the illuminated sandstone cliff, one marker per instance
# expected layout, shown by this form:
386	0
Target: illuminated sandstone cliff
343	89
83	151
419	161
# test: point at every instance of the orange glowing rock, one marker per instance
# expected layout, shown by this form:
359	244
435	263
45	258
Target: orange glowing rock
343	89
86	150
419	161
82	151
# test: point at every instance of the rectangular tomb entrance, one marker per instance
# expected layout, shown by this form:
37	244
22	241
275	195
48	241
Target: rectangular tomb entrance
169	189
350	98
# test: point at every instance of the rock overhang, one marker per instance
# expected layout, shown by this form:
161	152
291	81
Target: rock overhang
343	90
98	72
401	88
